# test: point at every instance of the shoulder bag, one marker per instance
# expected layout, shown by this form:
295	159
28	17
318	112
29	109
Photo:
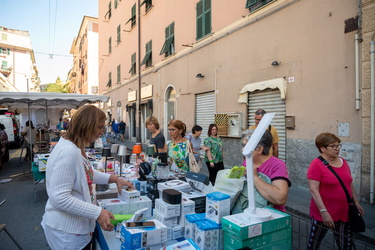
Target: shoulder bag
193	165
357	224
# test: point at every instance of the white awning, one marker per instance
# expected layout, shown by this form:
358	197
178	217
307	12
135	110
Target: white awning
279	83
18	100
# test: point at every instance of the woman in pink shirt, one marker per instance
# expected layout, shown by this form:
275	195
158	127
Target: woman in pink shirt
329	205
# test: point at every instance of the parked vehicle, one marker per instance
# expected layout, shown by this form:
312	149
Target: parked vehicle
4	147
12	128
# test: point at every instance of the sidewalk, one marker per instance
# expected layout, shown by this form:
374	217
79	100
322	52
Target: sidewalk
299	204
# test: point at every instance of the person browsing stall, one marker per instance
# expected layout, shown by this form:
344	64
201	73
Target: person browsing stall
195	140
29	134
264	164
70	211
178	146
157	138
214	152
329	204
274	150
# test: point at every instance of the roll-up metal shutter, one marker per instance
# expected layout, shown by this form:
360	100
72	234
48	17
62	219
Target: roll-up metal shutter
270	101
205	109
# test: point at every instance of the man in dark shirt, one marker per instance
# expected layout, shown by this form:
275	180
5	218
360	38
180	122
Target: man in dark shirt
122	127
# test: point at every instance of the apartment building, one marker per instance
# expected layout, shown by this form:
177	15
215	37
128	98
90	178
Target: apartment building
205	61
18	67
84	73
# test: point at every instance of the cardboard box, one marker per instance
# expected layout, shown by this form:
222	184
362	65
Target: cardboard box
133	238
115	206
186	245
129	194
190	220
142	202
245	227
232	242
166	209
42	161
173	184
217	206
176	232
168	221
119	206
187	207
208	235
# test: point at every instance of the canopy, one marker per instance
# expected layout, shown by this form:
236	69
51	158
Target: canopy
18	100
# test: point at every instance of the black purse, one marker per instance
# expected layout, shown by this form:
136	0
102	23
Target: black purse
357	224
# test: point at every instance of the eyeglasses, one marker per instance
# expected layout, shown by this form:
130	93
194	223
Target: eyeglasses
171	129
338	146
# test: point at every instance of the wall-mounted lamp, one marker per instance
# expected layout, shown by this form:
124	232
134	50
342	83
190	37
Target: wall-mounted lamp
143	83
199	75
130	89
275	63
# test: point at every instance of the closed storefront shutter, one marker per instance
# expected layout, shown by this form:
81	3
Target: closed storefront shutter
270	101
205	111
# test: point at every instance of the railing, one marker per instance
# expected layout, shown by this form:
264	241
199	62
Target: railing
301	229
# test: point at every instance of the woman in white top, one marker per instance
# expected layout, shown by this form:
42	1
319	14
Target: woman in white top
29	133
70	212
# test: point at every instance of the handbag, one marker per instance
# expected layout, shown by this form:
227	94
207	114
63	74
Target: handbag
193	165
357	224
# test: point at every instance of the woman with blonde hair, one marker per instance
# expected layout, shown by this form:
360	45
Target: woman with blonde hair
157	137
70	212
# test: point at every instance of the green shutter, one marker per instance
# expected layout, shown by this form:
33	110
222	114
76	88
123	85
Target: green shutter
148	53
250	3
203	18
169	38
119	74
119	33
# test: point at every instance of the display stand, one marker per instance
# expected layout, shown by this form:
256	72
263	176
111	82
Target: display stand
252	211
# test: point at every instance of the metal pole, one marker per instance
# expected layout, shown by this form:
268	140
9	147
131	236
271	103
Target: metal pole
139	73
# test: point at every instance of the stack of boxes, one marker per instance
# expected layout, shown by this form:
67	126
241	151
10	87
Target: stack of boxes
242	231
205	228
119	206
145	238
170	211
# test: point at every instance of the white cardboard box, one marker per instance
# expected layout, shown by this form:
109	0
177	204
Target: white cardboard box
168	221
167	210
129	194
208	235
134	238
217	206
115	206
42	161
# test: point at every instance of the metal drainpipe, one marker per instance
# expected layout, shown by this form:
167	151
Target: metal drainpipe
139	138
372	143
356	39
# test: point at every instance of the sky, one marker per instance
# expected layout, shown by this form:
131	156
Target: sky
52	25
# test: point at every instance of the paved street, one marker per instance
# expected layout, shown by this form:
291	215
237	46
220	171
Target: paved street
22	215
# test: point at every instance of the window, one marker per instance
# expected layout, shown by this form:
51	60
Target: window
118	33
115	3
148	4
4	65
254	5
109	13
119	74
132	19
168	47
109	83
203	18
133	70
4	51
148	57
110	45
4	36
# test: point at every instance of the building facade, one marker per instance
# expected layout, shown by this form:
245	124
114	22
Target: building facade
218	61
84	73
18	66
